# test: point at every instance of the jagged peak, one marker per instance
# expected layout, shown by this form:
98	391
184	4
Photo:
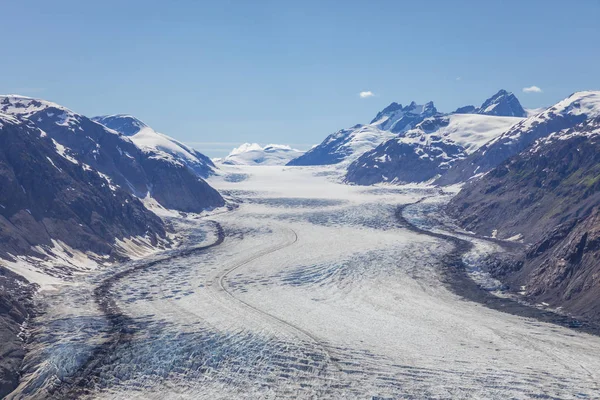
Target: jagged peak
396	109
392	108
504	104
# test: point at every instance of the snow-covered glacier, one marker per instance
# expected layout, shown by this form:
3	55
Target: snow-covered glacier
308	289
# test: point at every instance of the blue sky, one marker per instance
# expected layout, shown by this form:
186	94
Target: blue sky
220	73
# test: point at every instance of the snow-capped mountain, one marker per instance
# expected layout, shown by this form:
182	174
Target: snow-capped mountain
158	145
47	197
115	155
395	118
128	125
565	114
502	104
548	195
343	146
432	146
255	154
428	150
347	145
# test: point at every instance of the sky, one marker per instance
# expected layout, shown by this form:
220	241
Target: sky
215	74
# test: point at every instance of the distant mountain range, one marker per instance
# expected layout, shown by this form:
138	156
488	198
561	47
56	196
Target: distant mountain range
427	150
414	142
347	145
255	154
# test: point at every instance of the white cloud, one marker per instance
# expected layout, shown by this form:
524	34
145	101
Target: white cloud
366	94
459	78
532	89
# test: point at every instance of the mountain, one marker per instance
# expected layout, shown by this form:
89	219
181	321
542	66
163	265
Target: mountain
466	110
563	115
347	145
158	145
141	172
16	303
548	195
125	124
255	154
47	197
395	118
502	104
343	146
428	150
425	154
56	215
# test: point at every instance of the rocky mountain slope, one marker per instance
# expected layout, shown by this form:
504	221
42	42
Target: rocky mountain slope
47	197
548	195
141	172
435	144
16	298
563	115
157	145
55	213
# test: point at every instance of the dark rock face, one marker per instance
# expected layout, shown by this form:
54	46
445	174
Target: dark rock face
15	307
502	104
178	189
115	155
565	114
91	143
563	268
45	196
549	194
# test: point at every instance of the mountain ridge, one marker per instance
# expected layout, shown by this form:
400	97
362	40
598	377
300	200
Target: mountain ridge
346	146
141	173
548	195
564	114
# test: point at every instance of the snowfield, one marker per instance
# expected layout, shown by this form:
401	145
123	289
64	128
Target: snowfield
310	289
470	131
255	154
